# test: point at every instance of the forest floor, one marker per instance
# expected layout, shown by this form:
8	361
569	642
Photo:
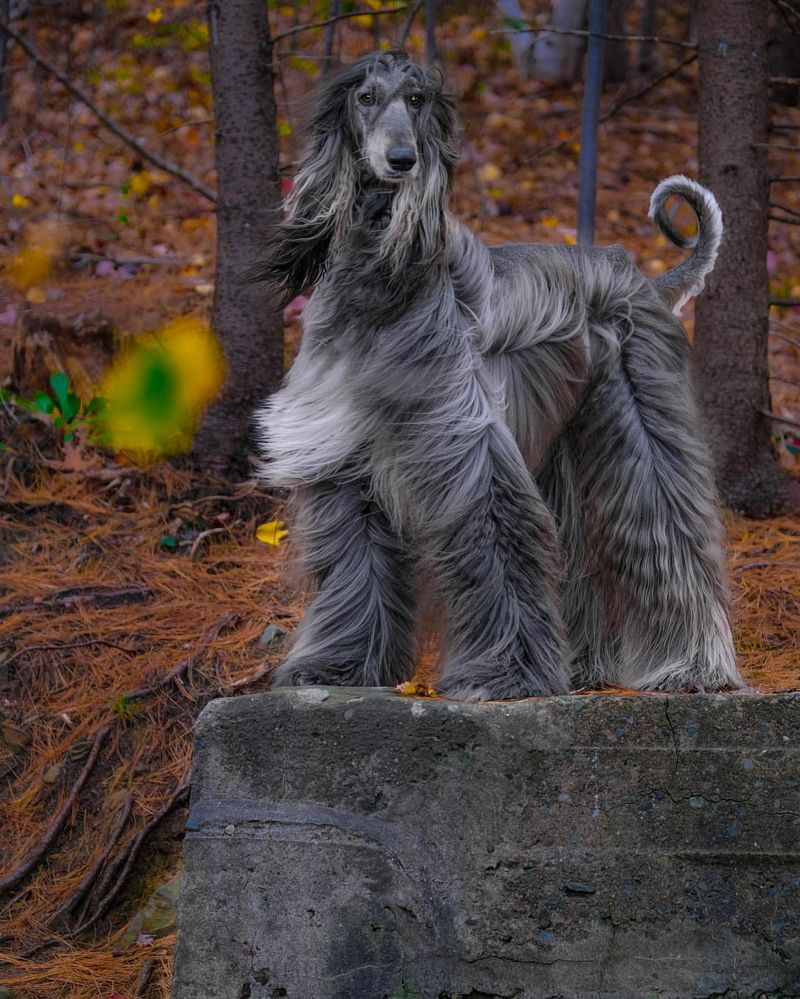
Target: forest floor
130	596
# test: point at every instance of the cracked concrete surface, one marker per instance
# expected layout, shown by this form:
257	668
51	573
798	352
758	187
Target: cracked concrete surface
386	847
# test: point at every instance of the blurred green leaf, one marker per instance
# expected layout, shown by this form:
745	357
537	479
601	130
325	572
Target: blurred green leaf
43	402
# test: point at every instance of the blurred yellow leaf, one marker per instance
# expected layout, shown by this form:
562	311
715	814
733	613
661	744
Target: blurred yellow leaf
489	172
155	15
20	201
157	389
549	221
414	689
272	532
33	263
569	237
140	183
29	267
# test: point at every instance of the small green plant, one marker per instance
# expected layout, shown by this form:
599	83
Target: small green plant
127	708
65	409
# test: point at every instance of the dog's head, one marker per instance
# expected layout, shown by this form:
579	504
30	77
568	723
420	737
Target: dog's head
400	117
381	125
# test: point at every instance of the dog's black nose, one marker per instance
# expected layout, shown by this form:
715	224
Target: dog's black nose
401	158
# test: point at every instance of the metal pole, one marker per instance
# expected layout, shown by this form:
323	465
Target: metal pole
591	112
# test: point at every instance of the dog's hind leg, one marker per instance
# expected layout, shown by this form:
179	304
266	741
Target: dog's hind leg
592	651
652	525
360	627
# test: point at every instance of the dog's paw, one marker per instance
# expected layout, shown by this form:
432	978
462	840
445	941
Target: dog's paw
305	673
302	674
497	688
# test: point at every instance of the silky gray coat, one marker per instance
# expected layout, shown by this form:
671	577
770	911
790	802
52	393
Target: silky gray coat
505	434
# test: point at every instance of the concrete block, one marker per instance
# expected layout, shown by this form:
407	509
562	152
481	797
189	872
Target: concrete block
355	844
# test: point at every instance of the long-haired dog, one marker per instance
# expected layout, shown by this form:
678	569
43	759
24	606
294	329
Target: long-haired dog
513	424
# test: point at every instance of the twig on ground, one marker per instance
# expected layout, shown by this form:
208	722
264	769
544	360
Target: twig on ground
178	671
201	537
144	977
245	681
102	474
23	870
130	856
83	643
101	597
86	884
121	133
759	565
332	20
80	257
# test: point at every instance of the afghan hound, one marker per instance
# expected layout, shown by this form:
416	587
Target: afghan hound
511	425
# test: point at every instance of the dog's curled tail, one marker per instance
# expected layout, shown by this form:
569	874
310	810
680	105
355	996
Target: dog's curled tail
677	286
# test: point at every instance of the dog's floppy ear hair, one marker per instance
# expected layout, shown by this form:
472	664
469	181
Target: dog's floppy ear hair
320	205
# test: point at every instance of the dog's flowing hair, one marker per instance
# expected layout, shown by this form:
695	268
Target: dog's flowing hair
512	426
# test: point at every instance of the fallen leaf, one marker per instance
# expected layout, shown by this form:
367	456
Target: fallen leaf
272	532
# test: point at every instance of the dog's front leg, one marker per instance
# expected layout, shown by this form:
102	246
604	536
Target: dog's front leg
490	542
360	627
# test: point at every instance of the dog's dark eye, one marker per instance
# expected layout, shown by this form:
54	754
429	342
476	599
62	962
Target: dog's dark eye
415	100
365	98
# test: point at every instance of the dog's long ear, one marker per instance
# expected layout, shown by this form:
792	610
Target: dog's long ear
320	205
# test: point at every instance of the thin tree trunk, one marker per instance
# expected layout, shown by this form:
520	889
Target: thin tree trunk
732	315
248	193
557	58
593	86
4	40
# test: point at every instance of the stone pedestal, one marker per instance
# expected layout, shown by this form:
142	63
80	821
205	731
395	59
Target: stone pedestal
355	844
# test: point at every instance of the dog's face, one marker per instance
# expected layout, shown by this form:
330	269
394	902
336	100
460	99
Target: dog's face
385	109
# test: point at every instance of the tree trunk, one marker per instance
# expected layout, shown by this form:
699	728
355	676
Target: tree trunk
732	315
248	193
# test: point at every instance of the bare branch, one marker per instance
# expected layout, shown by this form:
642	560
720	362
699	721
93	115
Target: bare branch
784	208
781	419
786	339
535	29
409	22
785	303
338	17
780	218
621	103
166	165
